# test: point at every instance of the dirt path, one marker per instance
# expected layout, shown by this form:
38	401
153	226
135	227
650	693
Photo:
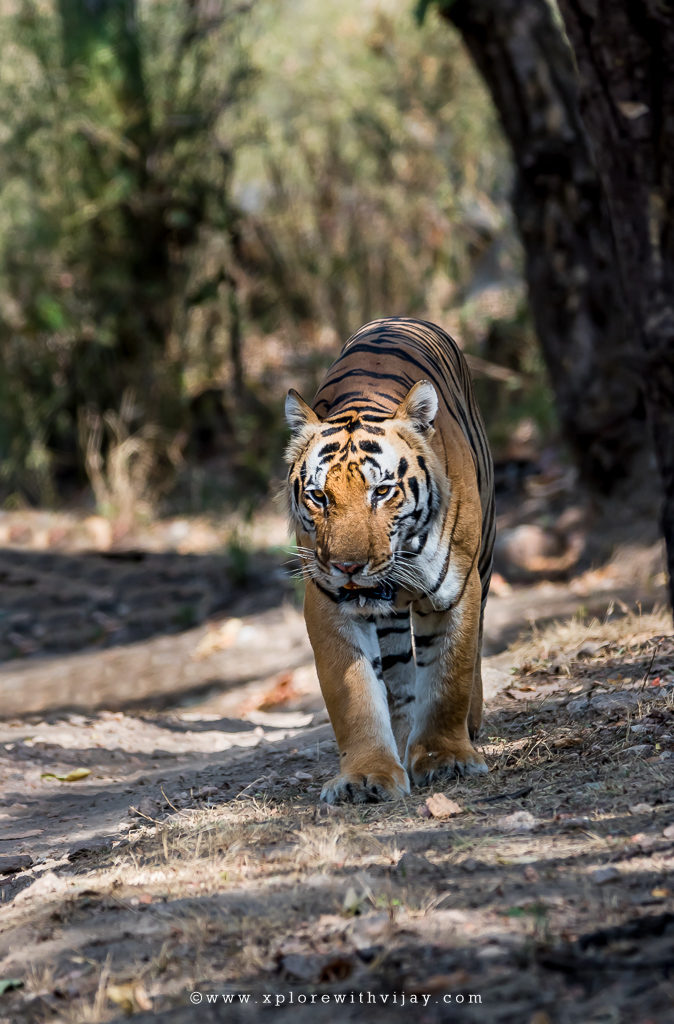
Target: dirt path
162	748
194	856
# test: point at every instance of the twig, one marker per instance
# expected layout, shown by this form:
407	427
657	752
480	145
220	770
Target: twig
173	807
250	784
494	370
155	821
650	666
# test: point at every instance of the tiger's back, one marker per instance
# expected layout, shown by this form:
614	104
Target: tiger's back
373	373
391	495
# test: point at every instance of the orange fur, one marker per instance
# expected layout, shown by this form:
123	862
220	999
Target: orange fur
390	494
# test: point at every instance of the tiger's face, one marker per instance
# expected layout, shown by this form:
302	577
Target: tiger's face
362	492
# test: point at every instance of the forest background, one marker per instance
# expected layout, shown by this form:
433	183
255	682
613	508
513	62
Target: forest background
199	203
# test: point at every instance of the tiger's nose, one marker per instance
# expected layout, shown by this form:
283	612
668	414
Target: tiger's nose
349	567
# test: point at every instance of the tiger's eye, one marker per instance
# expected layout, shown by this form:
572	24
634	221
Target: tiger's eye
382	490
318	496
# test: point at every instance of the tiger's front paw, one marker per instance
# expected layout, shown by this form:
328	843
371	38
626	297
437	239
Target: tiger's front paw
370	787
439	760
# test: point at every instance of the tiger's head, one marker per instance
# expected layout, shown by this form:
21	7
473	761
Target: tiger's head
363	493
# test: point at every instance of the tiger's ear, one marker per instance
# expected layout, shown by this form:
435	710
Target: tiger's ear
298	413
420	405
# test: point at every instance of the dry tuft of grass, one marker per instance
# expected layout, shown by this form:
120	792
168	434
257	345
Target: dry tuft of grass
577	637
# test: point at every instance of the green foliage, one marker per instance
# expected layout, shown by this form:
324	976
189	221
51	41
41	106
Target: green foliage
115	170
208	197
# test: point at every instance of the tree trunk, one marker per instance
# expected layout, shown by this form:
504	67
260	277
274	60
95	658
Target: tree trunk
129	262
564	224
625	55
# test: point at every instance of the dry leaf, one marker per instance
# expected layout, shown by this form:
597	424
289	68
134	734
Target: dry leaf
74	776
131	996
440	806
282	691
121	995
566	741
219	639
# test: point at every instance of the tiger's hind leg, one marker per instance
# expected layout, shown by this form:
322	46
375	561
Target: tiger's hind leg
397	658
476	700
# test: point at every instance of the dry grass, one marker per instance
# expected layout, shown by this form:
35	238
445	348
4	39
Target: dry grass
124	468
569	636
258	894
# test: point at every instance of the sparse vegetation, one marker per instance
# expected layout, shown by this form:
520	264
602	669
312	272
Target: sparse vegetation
551	872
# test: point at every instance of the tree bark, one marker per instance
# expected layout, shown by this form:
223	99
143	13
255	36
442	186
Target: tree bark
625	55
564	224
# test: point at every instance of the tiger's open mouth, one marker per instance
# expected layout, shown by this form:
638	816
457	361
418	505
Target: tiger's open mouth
353	592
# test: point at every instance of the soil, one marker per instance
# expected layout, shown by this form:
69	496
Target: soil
161	835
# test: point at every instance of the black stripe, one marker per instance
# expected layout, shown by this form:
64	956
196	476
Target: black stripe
427	640
445	564
388	630
457	600
422	465
389	660
406	381
414	515
426	368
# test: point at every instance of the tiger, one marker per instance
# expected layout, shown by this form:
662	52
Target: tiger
391	497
